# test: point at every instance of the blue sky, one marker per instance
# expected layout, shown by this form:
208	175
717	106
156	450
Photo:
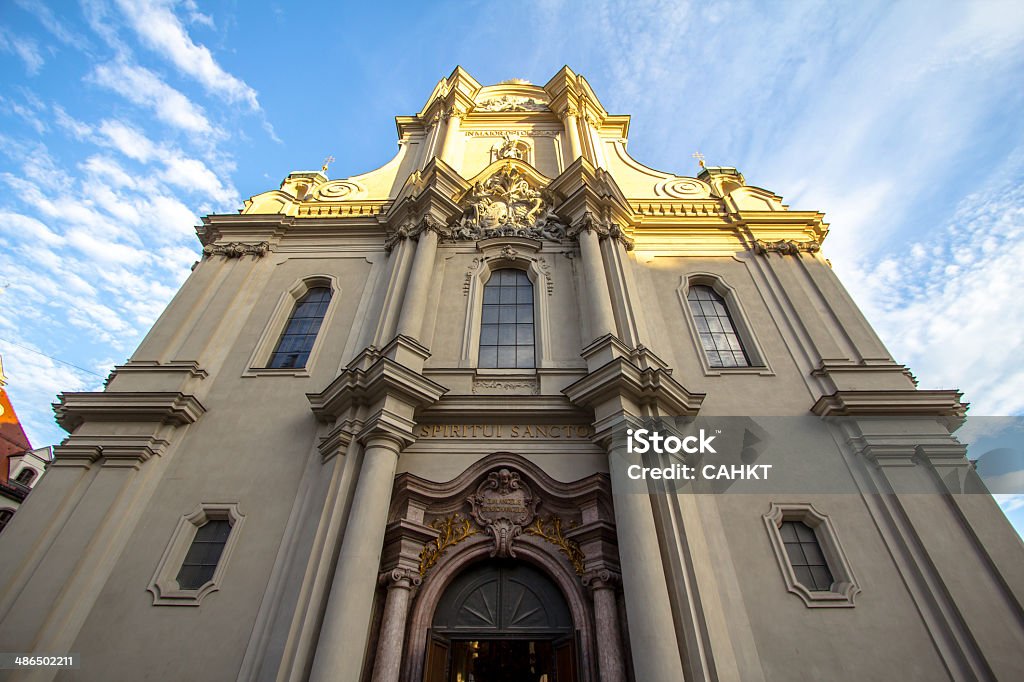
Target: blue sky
122	122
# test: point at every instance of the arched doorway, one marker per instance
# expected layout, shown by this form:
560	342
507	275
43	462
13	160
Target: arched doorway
501	621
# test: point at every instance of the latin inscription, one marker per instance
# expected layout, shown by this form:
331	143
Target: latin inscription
515	431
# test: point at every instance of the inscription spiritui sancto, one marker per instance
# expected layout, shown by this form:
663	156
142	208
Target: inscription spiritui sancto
518	431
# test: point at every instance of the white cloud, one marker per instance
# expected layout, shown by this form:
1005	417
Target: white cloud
72	125
127	140
24	48
159	28
144	88
28	113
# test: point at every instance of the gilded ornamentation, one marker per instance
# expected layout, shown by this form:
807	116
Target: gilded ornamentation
452	530
236	250
787	247
550	528
511	103
503	504
505	205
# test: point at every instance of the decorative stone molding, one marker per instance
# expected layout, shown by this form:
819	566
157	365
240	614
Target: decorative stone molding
509	254
338	190
452	530
503	505
892	403
683	188
503	133
413	227
602	227
502	387
550	528
787	247
845	587
164	585
236	249
505	205
511	103
173	408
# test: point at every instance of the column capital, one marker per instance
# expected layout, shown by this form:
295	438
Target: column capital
601	579
399	578
602	227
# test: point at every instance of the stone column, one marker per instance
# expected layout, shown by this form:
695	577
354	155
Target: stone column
610	662
452	138
414	306
346	625
652	632
572	131
400	584
602	319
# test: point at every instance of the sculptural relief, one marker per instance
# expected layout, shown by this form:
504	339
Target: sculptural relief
505	205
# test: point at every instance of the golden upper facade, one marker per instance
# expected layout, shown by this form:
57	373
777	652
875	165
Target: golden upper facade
509	158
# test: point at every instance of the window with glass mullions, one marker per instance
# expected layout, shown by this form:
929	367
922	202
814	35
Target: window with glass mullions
507	325
299	336
805	556
204	554
715	327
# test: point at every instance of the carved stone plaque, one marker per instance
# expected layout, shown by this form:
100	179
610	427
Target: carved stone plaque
503	504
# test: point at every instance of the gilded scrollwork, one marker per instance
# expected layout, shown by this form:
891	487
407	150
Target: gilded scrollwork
550	528
452	530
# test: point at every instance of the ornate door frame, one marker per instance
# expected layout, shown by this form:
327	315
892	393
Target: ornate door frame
436	530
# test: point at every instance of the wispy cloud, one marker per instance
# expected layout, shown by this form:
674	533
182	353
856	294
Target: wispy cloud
143	87
160	29
25	49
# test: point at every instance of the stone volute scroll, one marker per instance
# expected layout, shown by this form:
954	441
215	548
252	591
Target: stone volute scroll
503	505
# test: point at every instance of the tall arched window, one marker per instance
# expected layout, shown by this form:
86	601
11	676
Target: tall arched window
300	333
506	323
717	332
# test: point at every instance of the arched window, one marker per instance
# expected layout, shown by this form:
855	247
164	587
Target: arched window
506	323
26	476
299	335
5	516
715	327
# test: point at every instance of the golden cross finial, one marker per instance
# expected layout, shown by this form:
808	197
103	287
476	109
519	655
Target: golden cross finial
700	159
327	162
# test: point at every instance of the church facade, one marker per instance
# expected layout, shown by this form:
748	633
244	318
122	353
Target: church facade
380	435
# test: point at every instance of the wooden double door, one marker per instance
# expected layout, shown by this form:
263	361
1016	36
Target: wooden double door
502	621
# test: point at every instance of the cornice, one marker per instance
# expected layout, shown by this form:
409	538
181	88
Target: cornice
635	375
911	402
371	377
170	407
